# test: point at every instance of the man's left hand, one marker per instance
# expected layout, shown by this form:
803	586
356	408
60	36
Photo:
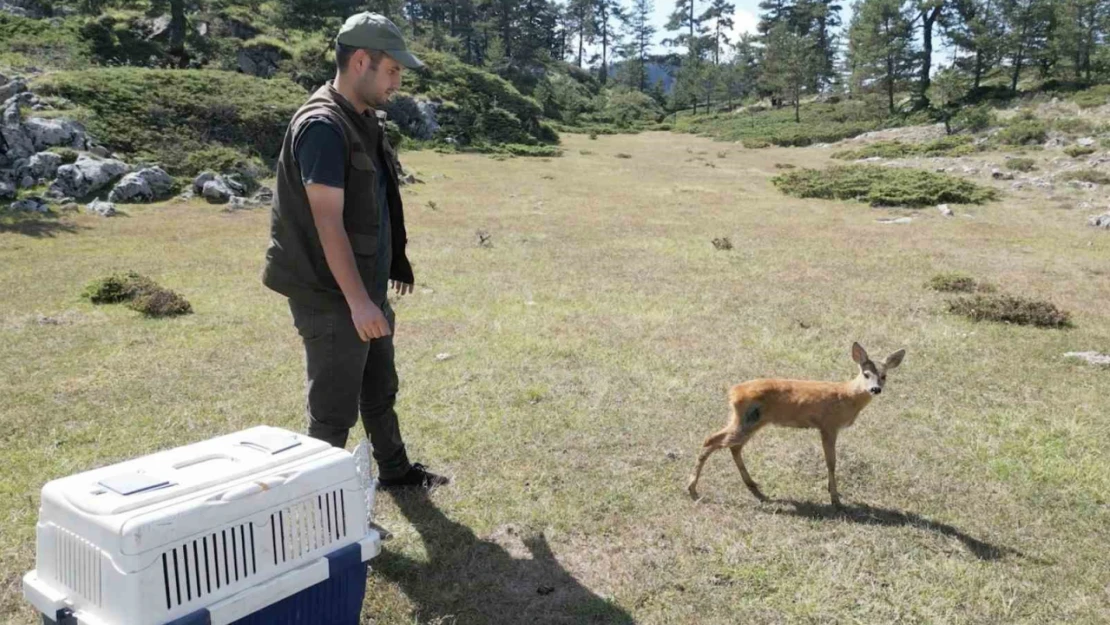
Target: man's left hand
401	288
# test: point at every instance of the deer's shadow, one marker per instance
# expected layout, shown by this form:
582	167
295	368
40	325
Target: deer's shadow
865	514
467	579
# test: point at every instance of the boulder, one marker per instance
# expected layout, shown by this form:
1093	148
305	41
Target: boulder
7	191
45	164
216	192
145	185
31	204
12	88
48	133
1100	221
262	60
200	180
102	208
86	176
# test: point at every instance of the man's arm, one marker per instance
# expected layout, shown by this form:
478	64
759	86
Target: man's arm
327	213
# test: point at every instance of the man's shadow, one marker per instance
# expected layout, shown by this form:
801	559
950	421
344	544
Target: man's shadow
470	580
870	515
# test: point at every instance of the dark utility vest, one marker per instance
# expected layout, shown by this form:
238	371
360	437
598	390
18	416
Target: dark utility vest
295	262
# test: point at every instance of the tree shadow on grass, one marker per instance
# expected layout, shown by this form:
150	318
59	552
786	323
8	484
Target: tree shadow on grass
471	580
37	225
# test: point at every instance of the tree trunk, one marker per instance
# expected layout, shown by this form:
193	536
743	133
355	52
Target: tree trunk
581	36
978	68
177	32
604	74
1017	68
890	82
927	21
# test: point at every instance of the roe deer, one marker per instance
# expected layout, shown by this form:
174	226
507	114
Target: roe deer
824	406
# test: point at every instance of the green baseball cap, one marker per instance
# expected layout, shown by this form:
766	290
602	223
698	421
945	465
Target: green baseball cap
373	31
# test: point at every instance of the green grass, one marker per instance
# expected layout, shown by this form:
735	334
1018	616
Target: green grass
882	186
957	145
821	123
592	348
1093	97
169	116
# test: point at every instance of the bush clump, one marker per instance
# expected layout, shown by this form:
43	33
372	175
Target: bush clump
1023	132
1079	151
882	186
1010	309
955	145
1087	175
139	292
958	283
1021	164
160	303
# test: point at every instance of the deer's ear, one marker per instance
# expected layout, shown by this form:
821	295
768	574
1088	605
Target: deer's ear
858	354
895	359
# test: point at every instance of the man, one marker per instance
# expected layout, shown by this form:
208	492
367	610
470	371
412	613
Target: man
338	242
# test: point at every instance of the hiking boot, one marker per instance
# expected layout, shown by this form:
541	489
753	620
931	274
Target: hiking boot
417	477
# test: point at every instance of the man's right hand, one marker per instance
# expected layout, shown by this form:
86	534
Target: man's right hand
369	321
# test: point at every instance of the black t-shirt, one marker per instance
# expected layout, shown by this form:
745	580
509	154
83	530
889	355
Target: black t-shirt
322	158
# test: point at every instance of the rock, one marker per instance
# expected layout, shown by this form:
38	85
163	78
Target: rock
944	210
86	176
101	151
233	182
998	174
1100	221
13	136
416	117
262	60
216	192
145	185
157	28
237	202
1093	358
1085	142
45	164
31	204
7	191
48	133
895	220
26	182
198	182
12	88
102	208
263	195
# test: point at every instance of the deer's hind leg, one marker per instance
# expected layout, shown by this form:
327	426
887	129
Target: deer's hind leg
711	444
737	449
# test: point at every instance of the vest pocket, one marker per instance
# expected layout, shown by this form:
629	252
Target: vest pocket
364	245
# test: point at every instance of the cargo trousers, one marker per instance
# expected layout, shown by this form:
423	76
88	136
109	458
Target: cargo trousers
347	377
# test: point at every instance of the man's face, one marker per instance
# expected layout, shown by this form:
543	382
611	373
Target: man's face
376	86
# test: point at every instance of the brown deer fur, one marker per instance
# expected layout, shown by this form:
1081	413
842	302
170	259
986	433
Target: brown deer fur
823	406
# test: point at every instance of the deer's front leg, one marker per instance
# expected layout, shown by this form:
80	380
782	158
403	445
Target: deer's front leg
828	441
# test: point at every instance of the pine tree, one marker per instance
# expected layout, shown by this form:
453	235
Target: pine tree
790	61
880	45
720	13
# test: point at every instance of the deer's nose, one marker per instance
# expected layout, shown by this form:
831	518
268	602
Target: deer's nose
876	390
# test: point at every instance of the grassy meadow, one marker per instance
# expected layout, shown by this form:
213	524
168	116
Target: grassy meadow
566	373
